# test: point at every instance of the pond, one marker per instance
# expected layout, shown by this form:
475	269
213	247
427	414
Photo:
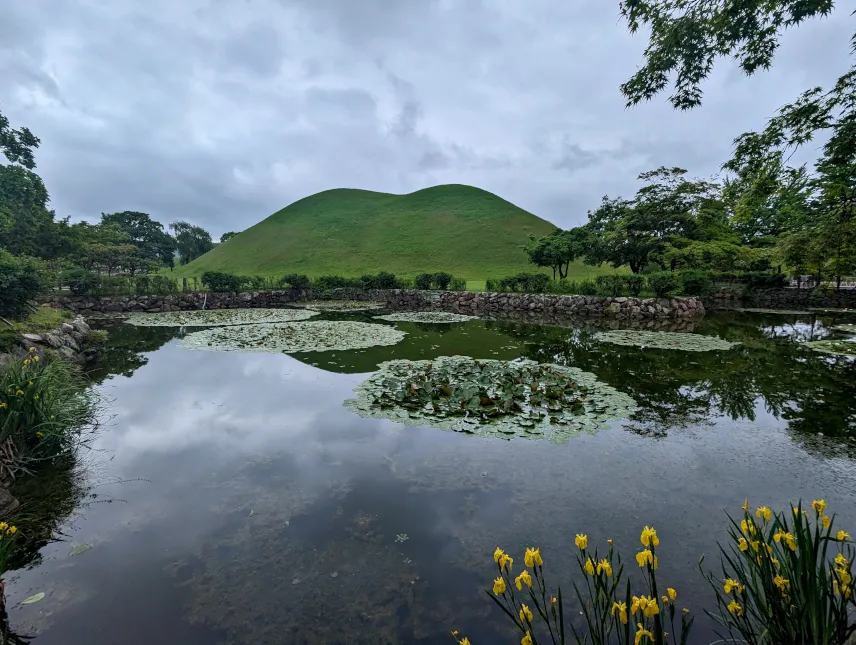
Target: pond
233	498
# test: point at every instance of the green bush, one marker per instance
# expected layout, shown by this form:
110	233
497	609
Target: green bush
609	285
442	280
80	281
295	281
44	407
382	280
458	284
634	283
762	280
696	282
21	280
221	282
326	282
423	281
525	283
491	285
161	285
663	284
587	288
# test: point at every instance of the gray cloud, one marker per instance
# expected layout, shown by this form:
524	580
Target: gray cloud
222	112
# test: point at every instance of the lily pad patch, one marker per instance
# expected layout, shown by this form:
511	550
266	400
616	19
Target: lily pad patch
491	397
664	340
218	317
340	305
837	347
762	310
846	327
426	317
310	336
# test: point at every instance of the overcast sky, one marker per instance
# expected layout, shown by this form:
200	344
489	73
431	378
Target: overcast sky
223	111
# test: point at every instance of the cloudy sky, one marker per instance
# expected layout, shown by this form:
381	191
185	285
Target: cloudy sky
223	111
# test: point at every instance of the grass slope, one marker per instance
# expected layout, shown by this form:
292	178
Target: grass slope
463	230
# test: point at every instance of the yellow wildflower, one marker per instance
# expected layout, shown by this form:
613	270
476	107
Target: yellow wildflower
12	530
825	521
36	397
646	557
782	583
36	358
685	610
3	404
526	640
787	537
605	566
505	560
498	554
533	557
524	577
589	567
651	609
735	608
26	361
775	562
581	541
755	544
672	593
746	505
843	576
3	526
609	541
20	392
818	505
464	641
31	350
641	633
499	586
841	561
747	526
621	608
525	614
731	584
764	513
29	383
842	536
553	600
649	537
40	434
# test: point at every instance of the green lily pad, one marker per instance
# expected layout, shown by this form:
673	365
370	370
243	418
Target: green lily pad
491	398
664	340
218	317
312	336
837	347
762	310
426	317
846	327
34	598
80	549
340	305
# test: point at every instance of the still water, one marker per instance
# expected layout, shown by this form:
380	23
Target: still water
231	498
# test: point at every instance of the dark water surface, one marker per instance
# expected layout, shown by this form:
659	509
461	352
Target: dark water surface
232	499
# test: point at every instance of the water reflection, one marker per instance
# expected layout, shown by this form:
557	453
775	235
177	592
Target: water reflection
251	507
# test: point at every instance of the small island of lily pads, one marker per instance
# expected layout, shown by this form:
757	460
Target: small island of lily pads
340	305
310	336
488	397
837	347
426	317
217	317
664	340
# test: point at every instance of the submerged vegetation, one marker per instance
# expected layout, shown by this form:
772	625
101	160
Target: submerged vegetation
426	317
313	336
786	579
490	397
664	340
217	317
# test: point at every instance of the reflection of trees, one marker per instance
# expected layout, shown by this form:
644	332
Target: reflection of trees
812	392
126	345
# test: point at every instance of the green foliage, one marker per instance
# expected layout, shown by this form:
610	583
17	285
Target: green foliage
353	232
634	284
221	282
154	246
44	407
663	284
696	282
785	578
762	280
524	283
557	250
382	280
227	236
442	280
21	280
18	145
458	284
610	285
327	282
423	281
687	37
296	281
191	241
80	281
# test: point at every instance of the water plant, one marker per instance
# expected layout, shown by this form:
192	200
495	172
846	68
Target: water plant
44	410
426	317
837	347
217	317
611	610
664	340
490	397
849	328
340	305
311	336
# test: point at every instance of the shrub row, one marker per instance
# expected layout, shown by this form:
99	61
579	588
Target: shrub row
663	284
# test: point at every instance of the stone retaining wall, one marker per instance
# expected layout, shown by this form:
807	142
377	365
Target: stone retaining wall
783	298
455	301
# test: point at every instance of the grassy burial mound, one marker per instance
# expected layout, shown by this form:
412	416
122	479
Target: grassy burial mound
462	230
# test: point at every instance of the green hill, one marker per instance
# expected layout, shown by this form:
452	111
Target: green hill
462	230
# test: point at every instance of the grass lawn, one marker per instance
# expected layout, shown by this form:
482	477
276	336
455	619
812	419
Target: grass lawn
43	319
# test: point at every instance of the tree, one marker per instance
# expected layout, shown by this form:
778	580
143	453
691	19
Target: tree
191	241
227	236
153	244
687	36
557	250
18	145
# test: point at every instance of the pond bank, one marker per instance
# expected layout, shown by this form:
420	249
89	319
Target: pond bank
619	308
